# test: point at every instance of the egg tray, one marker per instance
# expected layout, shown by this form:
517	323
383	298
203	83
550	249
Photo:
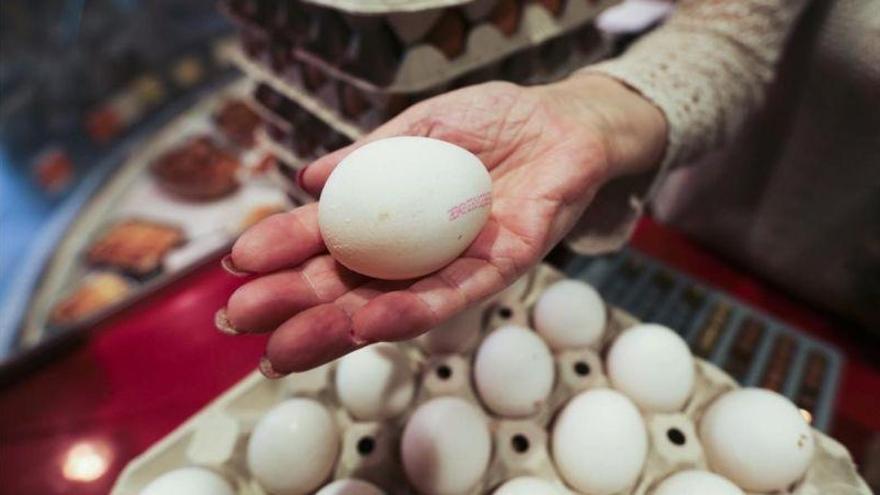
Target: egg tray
299	127
423	63
216	437
355	111
754	348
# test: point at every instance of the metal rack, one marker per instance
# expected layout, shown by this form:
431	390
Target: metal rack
750	345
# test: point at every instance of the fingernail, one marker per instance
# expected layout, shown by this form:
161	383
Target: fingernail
267	370
299	177
221	321
230	267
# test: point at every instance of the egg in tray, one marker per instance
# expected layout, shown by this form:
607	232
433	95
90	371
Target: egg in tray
542	391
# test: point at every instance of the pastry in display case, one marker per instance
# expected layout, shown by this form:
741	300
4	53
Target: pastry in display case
199	169
134	247
84	87
238	122
97	292
178	199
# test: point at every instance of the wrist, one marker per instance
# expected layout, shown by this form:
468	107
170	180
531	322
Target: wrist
632	129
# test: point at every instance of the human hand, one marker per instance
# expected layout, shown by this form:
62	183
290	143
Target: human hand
548	150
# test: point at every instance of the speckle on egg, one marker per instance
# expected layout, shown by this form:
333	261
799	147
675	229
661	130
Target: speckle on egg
758	439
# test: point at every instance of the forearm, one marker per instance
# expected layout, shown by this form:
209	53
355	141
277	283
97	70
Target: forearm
707	68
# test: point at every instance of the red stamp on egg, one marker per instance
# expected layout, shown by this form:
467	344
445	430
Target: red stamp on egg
470	205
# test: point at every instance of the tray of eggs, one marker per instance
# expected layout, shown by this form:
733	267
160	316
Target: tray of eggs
544	390
352	110
397	48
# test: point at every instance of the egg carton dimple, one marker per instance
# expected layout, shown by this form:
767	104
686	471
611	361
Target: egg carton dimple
216	438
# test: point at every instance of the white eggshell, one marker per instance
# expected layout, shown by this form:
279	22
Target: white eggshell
514	371
189	481
375	383
458	334
528	486
600	442
446	447
653	366
403	207
350	487
570	314
697	482
758	439
293	447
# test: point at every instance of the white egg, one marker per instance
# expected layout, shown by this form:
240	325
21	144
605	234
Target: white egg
600	442
695	482
653	366
528	486
446	447
403	207
758	439
293	447
458	334
189	481
350	487
570	314
375	382
514	371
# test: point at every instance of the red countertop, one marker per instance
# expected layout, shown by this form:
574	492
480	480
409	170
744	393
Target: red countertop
146	370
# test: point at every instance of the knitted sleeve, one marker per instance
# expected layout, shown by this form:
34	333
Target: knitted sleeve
707	69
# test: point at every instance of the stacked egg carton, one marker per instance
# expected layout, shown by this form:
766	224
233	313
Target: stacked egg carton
440	415
327	71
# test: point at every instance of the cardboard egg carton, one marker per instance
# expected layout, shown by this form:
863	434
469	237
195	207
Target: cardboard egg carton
297	134
400	51
352	112
216	438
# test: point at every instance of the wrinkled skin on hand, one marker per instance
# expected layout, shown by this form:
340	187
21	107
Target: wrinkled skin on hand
547	157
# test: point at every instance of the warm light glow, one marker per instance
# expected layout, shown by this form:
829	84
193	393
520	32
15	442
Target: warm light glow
807	416
86	461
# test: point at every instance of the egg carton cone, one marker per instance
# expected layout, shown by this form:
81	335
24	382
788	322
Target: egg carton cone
217	438
388	6
352	112
406	53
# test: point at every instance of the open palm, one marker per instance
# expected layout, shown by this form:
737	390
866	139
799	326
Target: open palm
546	162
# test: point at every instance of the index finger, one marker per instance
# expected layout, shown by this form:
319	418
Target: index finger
283	240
